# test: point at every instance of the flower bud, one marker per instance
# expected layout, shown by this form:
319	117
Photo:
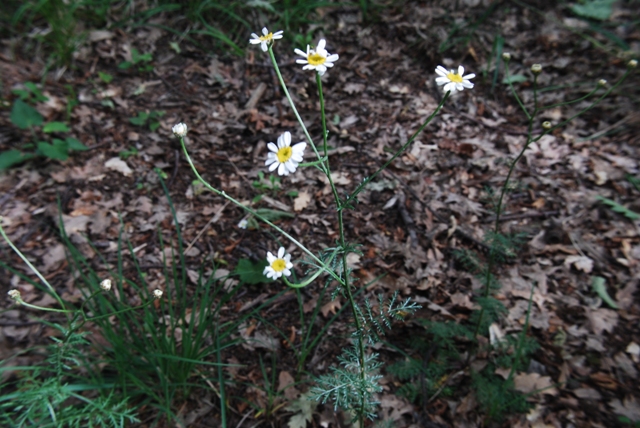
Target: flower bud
157	294
506	57
179	130
632	64
106	285
546	125
602	82
536	68
14	294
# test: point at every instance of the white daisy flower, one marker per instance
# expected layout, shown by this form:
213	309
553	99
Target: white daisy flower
317	59
157	294
266	39
243	223
278	266
284	157
453	80
179	130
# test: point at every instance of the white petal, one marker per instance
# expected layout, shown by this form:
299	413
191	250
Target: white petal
299	52
265	31
460	70
333	58
282	170
442	80
291	166
287	138
321	69
273	147
270	160
264	47
467	84
280	252
286	272
441	70
277	34
299	147
270	257
469	76
321	45
309	67
274	166
255	41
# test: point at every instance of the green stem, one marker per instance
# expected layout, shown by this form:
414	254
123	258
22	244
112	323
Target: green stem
398	153
293	107
36	271
253	212
513	91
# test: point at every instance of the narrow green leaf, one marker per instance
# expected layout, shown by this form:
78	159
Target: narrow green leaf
516	78
598	285
616	207
594	9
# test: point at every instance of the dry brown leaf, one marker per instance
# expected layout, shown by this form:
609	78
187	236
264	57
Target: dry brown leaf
628	408
285	384
301	201
534	382
602	320
582	263
117	164
331	306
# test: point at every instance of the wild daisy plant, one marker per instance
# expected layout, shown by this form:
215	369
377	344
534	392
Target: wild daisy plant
354	383
501	245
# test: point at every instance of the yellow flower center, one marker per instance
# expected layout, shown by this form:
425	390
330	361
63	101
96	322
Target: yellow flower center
279	265
284	154
454	77
267	38
316	59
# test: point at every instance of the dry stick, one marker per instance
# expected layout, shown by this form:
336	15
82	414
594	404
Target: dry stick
408	221
215	218
519	216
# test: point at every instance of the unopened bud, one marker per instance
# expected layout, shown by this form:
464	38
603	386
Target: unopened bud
506	57
157	294
106	285
536	68
546	125
602	82
179	130
632	64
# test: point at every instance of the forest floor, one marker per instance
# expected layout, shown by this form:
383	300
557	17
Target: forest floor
433	200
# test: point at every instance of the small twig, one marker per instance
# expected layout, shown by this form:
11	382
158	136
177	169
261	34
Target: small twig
215	218
408	221
175	168
519	216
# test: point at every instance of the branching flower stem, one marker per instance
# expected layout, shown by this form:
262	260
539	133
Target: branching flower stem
530	139
398	153
257	215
